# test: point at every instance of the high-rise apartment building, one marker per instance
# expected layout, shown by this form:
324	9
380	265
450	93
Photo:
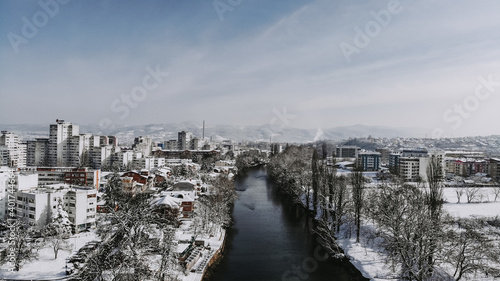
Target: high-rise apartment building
184	140
61	143
11	142
37	152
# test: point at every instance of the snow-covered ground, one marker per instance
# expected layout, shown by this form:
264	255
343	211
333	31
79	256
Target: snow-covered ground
215	242
368	257
487	208
46	267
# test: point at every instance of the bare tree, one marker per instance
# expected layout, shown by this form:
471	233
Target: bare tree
496	192
434	200
220	200
469	250
341	199
325	232
357	183
316	180
166	250
471	192
22	246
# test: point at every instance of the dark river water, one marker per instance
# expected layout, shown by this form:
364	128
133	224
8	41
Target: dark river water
270	239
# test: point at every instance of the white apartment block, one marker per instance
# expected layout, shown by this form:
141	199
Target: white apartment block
414	168
143	145
409	168
38	205
184	140
60	143
145	163
81	206
19	180
67	147
22	157
10	141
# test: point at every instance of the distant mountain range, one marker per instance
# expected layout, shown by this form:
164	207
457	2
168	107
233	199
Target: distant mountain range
158	132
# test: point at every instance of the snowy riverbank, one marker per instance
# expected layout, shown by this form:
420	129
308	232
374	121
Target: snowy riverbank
368	255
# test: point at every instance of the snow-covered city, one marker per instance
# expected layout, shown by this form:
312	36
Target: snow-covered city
79	206
249	140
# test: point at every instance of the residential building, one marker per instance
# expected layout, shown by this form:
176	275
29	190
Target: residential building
415	168
369	160
4	156
81	207
409	168
86	177
494	168
394	162
346	152
143	145
22	157
108	140
184	140
16	180
466	167
37	205
61	143
384	155
171	145
414	152
11	142
37	152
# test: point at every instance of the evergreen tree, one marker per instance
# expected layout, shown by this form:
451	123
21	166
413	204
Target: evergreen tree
58	230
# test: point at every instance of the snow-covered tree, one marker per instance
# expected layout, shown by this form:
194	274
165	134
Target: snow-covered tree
57	232
220	200
470	250
22	246
129	231
404	217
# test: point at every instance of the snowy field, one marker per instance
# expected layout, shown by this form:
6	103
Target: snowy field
46	267
486	208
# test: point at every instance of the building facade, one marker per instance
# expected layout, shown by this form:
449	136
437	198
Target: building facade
346	152
61	143
369	161
10	142
37	152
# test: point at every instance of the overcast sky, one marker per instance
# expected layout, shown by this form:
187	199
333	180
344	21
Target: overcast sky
305	64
